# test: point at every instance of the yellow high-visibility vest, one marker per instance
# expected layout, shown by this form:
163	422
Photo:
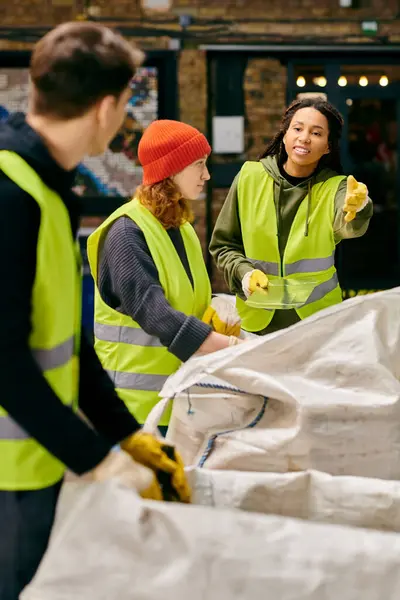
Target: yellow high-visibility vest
55	335
138	363
308	256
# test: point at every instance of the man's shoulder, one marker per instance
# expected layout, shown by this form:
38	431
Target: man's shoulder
15	200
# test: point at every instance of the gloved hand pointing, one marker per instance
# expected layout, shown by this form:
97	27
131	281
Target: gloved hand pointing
223	317
254	280
356	198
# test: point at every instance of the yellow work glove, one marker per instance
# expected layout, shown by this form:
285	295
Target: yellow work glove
254	280
223	317
164	461
356	198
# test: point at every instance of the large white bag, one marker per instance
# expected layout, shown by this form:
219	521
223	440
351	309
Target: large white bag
310	495
332	389
108	544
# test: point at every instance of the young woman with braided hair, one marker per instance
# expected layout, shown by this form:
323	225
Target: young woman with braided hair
285	214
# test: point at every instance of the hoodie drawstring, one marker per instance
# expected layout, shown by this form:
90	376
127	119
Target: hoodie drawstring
278	209
308	209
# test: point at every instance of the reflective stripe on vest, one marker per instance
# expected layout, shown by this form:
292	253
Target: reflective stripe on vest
46	359
272	268
321	290
137	337
54	339
310	265
138	363
10	430
54	357
137	381
125	335
307	265
309	251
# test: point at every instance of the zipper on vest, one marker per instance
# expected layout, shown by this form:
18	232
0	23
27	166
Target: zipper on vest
308	209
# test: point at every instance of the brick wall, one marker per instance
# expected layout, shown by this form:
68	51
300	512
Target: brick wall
236	17
192	79
46	12
265	98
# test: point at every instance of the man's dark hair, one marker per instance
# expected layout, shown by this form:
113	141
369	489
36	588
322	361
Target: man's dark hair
335	122
77	64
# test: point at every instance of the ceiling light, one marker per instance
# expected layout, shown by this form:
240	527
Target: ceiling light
363	81
342	81
301	82
320	81
383	81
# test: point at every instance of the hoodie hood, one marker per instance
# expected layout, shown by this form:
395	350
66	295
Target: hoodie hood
288	197
271	166
19	137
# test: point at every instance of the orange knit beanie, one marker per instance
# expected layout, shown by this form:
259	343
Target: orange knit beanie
167	147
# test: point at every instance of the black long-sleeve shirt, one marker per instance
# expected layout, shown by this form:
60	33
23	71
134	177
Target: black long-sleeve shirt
129	283
25	393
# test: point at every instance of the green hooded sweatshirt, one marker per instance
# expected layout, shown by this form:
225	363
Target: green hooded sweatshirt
226	245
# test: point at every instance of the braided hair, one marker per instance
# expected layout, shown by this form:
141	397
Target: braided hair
332	160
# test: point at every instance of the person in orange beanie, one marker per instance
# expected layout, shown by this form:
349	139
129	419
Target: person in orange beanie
151	283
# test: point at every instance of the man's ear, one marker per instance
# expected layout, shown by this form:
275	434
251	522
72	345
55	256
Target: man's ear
105	110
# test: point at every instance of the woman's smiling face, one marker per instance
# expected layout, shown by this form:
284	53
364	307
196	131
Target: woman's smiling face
307	137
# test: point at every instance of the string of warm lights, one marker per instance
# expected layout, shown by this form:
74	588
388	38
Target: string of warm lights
342	81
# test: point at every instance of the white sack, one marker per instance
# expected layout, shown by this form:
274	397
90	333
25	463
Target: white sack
332	383
111	545
310	495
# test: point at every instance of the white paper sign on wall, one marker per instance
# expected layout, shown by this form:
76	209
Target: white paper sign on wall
158	5
228	135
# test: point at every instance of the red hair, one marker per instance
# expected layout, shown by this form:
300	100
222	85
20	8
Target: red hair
166	203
